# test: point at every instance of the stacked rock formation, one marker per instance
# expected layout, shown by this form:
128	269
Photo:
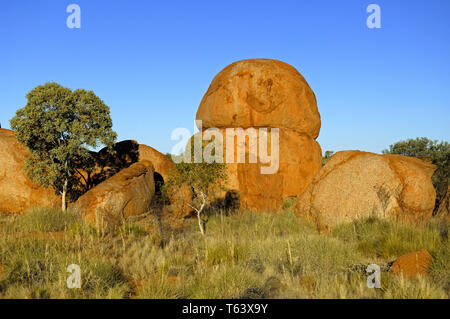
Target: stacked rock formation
18	193
263	93
355	184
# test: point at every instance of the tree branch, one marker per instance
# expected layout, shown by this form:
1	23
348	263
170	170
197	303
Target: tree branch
85	180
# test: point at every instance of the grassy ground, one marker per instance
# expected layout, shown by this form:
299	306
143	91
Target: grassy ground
247	256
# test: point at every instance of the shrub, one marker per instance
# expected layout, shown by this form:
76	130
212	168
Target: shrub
438	153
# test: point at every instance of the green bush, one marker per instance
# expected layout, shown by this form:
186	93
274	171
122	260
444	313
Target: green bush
438	153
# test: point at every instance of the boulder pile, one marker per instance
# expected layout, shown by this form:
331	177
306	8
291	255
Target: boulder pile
266	96
263	93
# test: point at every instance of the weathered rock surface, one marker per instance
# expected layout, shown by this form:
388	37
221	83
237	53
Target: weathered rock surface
299	158
412	264
127	193
263	93
260	93
163	168
125	154
355	184
162	164
18	193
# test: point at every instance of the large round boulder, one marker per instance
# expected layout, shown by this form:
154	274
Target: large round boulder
260	93
18	193
127	193
355	184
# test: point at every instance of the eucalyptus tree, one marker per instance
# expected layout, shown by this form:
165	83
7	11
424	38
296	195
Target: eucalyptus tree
58	126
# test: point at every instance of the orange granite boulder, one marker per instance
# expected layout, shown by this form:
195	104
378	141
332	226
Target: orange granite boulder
127	193
18	193
265	94
355	184
260	93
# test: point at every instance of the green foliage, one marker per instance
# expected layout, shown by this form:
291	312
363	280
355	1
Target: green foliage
326	157
203	178
174	158
58	125
422	147
289	202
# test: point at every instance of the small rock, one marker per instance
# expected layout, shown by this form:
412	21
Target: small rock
172	277
307	282
272	286
412	264
2	274
254	293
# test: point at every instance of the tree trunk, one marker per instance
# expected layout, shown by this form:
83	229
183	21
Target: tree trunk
199	215
200	224
64	194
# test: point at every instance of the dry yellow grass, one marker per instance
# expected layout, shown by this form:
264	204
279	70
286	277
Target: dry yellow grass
253	255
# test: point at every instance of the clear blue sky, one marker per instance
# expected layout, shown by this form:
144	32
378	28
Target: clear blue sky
152	61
